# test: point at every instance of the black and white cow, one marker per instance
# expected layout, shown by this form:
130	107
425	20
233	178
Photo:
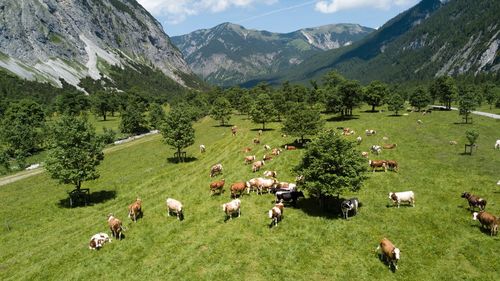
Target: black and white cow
288	196
349	205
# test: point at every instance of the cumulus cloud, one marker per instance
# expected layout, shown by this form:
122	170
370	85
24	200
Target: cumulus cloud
176	11
332	6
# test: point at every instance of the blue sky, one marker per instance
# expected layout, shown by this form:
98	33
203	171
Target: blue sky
183	16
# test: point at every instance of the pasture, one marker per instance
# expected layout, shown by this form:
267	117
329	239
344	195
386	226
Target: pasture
42	239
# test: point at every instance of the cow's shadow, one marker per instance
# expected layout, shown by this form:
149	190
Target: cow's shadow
385	262
482	229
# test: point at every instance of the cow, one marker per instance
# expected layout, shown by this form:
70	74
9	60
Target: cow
389	146
405	196
452	142
215	170
359	139
135	209
98	240
419	122
287	186
257	165
349	205
474	201
290	147
497	144
247	149
266	147
271	174
234	130
260	132
259	184
256	141
385	138
364	154
217	186
237	189
374	164
115	225
376	149
487	221
275	216
232	208
276	151
347	131
249	159
174	206
267	157
202	148
392	165
390	254
287	196
370	132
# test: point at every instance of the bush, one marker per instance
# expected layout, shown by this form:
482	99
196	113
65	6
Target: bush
108	136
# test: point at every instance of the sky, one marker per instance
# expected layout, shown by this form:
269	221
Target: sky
180	17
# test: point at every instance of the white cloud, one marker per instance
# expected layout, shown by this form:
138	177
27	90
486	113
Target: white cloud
177	11
332	6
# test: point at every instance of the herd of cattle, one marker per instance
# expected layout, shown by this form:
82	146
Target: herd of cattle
288	192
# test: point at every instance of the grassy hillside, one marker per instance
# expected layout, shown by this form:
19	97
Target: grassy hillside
43	240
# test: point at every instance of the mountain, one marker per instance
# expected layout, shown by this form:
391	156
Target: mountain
229	54
46	40
434	38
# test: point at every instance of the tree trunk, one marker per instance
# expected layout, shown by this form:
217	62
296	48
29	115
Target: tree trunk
263	126
104	115
373	108
78	185
178	155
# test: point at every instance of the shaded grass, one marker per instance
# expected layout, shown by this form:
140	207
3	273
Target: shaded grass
39	240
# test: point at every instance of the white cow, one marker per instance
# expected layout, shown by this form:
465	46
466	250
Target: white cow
202	148
497	144
359	139
405	196
376	149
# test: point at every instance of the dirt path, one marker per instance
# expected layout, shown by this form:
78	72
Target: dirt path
26	174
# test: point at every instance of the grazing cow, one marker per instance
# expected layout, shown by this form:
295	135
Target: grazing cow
405	196
364	154
389	146
215	170
498	183
290	147
260	132
275	216
287	196
287	186
217	186
497	144
115	225
280	206
377	149
247	149
202	148
474	201
452	142
259	184
267	147
283	135
392	165
370	132
232	208
271	174
390	254
374	164
237	189
234	130
256	141
135	209
385	138
267	157
276	151
98	240
257	165
249	159
487	221
348	132
359	140
349	205
419	121
174	206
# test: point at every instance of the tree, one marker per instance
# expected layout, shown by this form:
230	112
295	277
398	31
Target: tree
466	102
471	136
444	89
375	94
395	102
101	103
263	110
178	131
303	120
419	98
490	93
156	115
75	151
331	166
132	119
72	102
221	110
21	129
350	94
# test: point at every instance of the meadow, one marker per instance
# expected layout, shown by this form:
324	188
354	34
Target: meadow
42	239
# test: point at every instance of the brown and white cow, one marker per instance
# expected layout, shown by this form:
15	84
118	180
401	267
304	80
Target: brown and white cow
271	174
232	208
267	157
115	225
256	141
365	154
237	189
487	220
276	151
202	148
392	165
249	159
259	184
234	130
135	209
267	147
257	165
290	147
474	201
389	146
98	240
215	170
217	186
390	253
247	149
374	164
275	216
404	196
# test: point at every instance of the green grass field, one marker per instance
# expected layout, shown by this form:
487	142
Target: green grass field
41	239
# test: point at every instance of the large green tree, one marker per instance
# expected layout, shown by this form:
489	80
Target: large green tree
133	120
221	110
75	151
467	102
444	89
101	103
156	115
302	120
178	130
72	101
490	93
331	166
263	110
350	94
395	102
420	98
375	94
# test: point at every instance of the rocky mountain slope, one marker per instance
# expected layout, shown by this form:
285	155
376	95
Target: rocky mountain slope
46	40
230	54
431	39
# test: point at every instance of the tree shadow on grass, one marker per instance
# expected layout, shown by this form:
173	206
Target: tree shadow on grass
265	130
174	160
331	209
394	115
94	198
223	126
342	118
